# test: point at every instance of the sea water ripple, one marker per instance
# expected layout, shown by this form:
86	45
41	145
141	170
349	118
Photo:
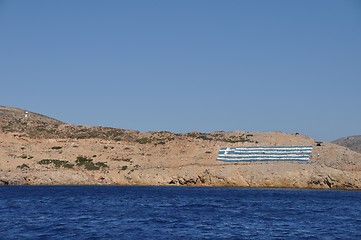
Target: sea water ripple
115	212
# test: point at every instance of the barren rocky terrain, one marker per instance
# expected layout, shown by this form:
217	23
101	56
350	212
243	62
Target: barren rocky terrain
38	150
351	142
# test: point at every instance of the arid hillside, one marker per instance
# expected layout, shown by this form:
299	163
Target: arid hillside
351	142
38	150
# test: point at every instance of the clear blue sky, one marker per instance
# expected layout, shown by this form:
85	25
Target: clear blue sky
181	66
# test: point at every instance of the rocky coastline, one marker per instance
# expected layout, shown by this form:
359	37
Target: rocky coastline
37	150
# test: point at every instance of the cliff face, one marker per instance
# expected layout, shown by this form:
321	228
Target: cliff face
97	155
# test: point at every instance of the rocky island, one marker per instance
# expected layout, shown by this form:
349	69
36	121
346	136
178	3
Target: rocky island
38	150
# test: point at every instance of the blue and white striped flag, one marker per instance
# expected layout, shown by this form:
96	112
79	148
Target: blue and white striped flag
265	154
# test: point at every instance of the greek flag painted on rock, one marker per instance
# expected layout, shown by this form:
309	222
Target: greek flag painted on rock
265	154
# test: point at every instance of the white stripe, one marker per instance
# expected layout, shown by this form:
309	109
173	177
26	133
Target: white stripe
271	149
265	152
262	158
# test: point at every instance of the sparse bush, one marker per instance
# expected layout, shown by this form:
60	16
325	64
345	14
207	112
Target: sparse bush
56	147
80	160
23	166
57	163
45	161
122	159
235	139
101	164
91	166
143	140
117	139
124	168
199	135
88	163
24	156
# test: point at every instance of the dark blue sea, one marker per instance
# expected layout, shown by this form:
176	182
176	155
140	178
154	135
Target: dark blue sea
114	212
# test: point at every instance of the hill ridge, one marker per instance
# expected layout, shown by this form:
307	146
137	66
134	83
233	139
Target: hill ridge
21	113
351	142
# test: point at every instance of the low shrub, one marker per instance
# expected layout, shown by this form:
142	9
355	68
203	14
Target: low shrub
57	163
88	163
122	159
24	156
101	164
124	168
56	147
23	166
117	139
80	160
143	140
235	139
